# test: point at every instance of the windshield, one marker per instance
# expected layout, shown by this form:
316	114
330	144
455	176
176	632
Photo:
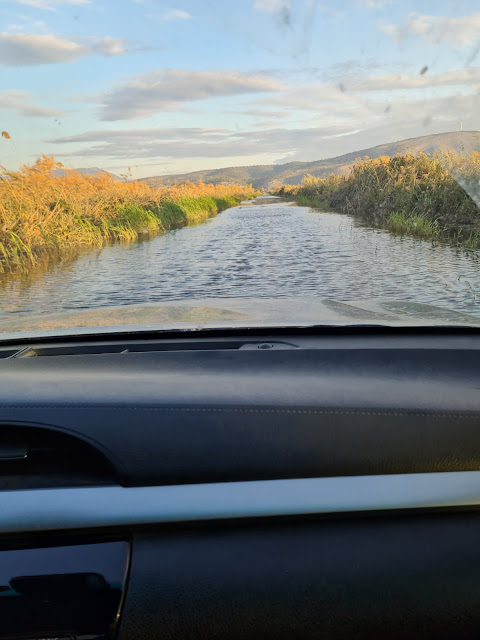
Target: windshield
229	163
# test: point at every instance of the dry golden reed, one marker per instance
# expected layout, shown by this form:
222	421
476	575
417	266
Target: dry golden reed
47	211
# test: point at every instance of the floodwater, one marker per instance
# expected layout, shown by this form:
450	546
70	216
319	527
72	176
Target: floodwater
263	249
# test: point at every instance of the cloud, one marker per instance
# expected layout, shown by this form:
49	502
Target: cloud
50	5
397	81
347	96
315	98
271	6
142	135
261	113
30	25
193	143
459	32
21	49
154	91
373	4
21	102
382	115
345	128
173	14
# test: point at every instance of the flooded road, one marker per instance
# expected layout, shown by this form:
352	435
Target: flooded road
270	250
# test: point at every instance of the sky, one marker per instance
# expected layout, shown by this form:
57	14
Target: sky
147	87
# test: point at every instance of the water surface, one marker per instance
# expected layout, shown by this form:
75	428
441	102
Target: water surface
259	250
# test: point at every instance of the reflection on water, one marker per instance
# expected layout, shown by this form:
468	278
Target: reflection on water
256	250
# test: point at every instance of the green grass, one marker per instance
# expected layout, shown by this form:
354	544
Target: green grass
312	201
468	240
189	210
132	220
418	225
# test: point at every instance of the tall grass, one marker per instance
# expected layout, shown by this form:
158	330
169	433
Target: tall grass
417	225
44	215
430	196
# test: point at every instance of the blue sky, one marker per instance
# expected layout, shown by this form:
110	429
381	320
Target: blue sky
165	87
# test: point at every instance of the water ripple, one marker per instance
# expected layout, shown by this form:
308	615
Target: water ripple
271	250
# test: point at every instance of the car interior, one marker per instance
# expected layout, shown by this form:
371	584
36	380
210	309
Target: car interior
319	482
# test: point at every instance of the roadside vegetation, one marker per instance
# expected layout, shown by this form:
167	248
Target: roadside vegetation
46	216
428	196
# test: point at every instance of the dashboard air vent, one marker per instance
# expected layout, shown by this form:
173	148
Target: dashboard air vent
39	457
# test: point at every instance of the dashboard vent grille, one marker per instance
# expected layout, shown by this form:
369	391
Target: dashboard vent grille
122	347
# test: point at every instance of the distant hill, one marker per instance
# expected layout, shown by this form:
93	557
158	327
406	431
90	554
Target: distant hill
268	175
90	171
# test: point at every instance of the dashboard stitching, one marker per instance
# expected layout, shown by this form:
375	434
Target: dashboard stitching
381	412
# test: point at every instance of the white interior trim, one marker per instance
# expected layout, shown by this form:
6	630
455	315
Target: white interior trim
79	508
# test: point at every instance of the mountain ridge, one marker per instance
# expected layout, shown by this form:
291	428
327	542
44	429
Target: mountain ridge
90	171
270	175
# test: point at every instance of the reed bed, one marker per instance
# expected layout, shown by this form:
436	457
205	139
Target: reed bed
47	212
429	196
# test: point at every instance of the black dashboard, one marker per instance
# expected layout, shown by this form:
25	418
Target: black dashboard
298	483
